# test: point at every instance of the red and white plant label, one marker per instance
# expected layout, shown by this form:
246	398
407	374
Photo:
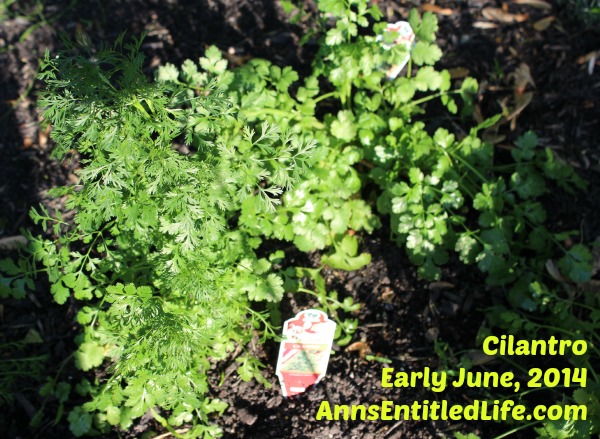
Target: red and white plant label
405	36
304	351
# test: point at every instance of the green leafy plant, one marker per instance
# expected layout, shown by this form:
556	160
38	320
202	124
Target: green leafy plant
458	435
327	300
444	193
323	206
164	278
15	364
447	195
584	13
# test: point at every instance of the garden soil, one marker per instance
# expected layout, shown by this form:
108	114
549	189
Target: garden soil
534	63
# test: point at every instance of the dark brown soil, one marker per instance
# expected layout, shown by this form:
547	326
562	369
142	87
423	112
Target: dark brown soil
402	318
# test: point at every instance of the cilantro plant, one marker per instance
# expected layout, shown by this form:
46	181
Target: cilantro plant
443	193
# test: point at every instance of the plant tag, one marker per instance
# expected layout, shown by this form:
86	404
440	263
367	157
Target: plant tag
304	351
405	36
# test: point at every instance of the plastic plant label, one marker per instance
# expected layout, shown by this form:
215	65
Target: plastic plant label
406	36
304	351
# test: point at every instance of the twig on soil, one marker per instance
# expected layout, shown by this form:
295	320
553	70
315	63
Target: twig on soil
168	433
390	431
232	366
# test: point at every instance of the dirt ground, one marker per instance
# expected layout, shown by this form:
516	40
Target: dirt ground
533	61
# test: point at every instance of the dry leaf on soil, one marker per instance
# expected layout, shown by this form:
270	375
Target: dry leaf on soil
458	72
478	358
541	4
590	58
523	78
12	242
497	14
544	23
521	102
484	25
553	271
360	346
387	295
427	7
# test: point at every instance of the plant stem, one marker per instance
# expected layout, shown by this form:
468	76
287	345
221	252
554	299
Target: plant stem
514	430
325	96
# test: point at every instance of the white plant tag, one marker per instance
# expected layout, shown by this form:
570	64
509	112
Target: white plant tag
405	36
304	351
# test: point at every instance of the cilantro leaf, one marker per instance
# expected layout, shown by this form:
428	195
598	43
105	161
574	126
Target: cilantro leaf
60	292
113	415
525	147
427	79
334	36
345	255
89	355
80	422
467	248
426	53
344	127
424	27
577	263
528	183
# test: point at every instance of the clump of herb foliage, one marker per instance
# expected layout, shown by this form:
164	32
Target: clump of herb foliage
153	252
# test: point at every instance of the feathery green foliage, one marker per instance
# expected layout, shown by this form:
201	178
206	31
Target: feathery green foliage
153	251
